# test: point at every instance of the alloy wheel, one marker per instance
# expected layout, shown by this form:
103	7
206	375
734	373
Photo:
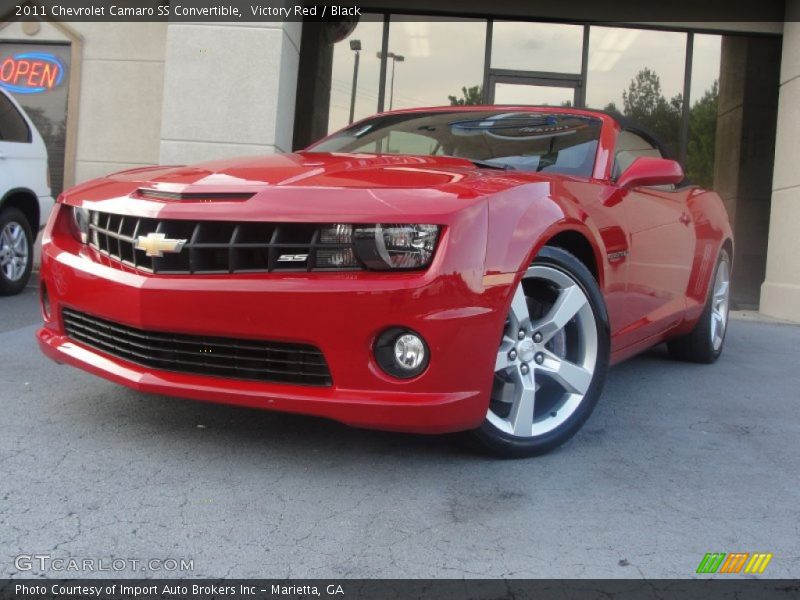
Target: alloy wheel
720	303
547	355
13	251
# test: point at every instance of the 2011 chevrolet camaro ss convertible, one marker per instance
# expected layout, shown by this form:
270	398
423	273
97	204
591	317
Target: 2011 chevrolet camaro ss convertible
430	270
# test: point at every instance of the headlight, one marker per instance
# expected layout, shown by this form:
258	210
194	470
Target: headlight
386	247
80	223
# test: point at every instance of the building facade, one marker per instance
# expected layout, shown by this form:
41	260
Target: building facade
725	97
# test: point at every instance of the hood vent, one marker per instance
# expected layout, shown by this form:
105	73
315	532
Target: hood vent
150	194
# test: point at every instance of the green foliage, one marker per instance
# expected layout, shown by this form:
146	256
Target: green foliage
471	96
644	102
702	138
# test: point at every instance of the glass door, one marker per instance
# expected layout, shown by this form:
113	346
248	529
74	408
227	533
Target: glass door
539	91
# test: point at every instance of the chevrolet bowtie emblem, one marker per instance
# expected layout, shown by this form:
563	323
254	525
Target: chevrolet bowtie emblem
155	244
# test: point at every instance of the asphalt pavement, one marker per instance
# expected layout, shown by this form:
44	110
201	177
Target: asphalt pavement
677	460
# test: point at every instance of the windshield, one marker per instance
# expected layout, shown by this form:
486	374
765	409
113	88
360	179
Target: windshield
526	141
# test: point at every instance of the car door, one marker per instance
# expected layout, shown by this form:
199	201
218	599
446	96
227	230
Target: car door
20	158
661	243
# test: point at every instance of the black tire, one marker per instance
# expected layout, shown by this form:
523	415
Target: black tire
13	216
697	345
507	445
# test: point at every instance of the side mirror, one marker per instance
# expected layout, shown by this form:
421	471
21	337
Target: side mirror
647	170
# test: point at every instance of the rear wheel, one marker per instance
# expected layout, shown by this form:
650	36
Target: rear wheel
704	343
552	359
16	251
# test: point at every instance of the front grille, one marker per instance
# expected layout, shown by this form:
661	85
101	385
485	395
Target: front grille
219	246
276	362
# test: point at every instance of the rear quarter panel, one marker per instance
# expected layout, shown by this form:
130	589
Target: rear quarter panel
713	230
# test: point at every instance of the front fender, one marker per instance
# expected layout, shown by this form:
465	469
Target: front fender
522	220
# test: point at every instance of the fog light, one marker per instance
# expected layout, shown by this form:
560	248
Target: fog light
409	351
401	352
44	297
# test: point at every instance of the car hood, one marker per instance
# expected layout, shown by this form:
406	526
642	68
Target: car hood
308	169
306	186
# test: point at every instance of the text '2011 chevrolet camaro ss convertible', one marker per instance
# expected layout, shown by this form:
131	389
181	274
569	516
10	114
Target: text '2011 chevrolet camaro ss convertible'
429	270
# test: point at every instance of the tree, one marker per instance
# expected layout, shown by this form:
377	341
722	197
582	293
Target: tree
470	96
702	138
645	103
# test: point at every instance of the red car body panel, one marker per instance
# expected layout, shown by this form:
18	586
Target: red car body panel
654	253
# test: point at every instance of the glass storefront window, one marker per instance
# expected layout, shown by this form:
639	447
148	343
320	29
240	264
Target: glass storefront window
639	73
369	34
434	60
537	46
703	112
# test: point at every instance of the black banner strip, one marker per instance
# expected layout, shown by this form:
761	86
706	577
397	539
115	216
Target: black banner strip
396	589
718	11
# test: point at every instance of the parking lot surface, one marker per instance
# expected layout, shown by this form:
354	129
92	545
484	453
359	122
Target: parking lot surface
677	460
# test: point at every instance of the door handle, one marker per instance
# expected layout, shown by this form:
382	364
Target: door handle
2	156
685	218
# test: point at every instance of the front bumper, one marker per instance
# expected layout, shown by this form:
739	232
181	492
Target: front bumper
340	313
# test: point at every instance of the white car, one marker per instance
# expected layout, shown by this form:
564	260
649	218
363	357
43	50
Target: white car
25	200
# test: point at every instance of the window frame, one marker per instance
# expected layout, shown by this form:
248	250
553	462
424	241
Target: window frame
5	97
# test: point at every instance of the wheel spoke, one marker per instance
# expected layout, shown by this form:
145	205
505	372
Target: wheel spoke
518	314
571	377
721	293
521	415
717	324
569	302
503	362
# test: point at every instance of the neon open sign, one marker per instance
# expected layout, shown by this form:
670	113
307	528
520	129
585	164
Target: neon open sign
31	72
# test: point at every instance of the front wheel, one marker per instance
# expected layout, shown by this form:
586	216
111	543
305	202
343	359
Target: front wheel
552	359
16	251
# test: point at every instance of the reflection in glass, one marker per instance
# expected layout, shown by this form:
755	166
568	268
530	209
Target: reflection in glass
441	58
703	115
640	74
538	141
537	46
534	95
369	32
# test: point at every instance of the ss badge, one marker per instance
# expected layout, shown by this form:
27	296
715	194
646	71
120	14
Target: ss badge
293	258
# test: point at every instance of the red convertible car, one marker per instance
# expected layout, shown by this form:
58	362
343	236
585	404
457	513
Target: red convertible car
429	270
